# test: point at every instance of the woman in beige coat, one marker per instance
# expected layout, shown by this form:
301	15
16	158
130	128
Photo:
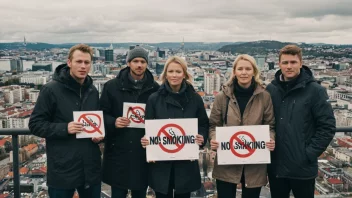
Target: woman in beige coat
247	103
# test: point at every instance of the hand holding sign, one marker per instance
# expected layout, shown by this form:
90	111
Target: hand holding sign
74	127
214	145
199	139
270	145
97	139
144	142
122	122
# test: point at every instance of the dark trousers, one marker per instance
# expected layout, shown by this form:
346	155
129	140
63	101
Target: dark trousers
281	187
228	190
91	192
170	191
121	193
170	194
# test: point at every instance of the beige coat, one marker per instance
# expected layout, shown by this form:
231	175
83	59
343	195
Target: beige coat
259	111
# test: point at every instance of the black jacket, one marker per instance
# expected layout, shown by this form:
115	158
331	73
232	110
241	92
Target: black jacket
161	105
305	125
124	162
71	162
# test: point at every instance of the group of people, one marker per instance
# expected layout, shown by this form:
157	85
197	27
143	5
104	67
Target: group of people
294	105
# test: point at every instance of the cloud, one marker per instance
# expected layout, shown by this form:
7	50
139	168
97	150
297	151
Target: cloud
169	21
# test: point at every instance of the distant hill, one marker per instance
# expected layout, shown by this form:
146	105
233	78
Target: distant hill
263	47
257	47
32	46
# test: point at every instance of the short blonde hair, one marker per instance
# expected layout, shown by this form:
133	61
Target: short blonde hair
81	47
180	61
250	59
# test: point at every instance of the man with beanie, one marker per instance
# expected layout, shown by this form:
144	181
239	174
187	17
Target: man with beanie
124	163
305	125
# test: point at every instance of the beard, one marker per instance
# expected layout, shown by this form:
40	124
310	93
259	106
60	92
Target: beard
141	74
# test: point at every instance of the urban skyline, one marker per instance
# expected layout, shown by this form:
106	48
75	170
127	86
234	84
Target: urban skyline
28	70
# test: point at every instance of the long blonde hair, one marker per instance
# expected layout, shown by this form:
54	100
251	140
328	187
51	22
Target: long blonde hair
250	59
178	60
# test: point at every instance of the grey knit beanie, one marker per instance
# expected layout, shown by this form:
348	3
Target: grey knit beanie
137	52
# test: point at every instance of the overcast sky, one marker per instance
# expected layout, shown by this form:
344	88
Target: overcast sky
87	21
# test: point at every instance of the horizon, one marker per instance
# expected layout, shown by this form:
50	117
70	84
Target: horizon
174	42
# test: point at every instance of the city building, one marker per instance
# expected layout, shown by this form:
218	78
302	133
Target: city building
212	81
33	95
159	68
16	65
109	55
161	54
13	94
42	66
260	59
37	80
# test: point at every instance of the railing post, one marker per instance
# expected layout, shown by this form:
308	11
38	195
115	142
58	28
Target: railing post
15	167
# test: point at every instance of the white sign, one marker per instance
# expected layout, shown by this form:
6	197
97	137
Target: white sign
135	112
243	144
93	123
172	139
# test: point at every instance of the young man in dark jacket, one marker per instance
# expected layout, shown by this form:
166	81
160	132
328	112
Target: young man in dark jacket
305	125
124	163
72	163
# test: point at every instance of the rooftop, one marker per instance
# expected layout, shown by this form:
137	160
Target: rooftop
41	64
334	181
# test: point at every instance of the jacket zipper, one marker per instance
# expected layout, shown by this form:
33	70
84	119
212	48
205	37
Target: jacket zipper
293	107
176	104
86	96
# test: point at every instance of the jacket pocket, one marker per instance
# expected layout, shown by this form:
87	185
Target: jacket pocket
65	161
309	157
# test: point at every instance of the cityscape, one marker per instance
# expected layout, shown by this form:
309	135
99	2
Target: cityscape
26	66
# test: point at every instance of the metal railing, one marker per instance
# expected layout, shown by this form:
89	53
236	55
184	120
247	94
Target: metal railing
16	173
25	131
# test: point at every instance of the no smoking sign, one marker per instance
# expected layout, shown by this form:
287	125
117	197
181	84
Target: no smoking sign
135	112
172	139
93	123
243	144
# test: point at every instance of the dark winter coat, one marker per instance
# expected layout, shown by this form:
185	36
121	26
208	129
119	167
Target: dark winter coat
71	162
305	125
165	105
124	162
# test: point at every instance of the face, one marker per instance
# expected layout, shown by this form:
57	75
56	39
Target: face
244	72
79	65
175	74
138	66
290	66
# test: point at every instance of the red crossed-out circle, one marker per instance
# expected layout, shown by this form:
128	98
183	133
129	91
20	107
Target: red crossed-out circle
95	128
163	131
235	138
139	118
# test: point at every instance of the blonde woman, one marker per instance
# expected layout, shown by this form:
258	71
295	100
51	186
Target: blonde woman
176	98
242	101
